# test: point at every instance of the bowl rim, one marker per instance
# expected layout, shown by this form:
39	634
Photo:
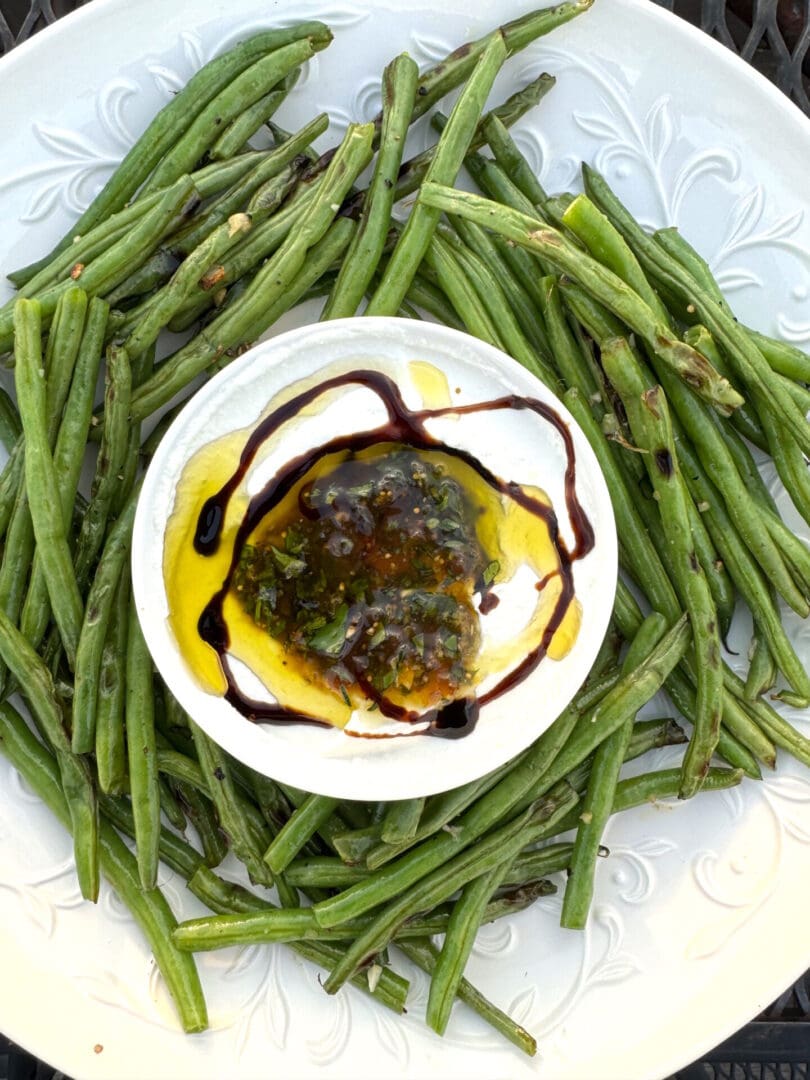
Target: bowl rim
365	771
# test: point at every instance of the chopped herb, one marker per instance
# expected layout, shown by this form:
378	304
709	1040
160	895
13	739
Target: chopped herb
289	565
381	569
331	637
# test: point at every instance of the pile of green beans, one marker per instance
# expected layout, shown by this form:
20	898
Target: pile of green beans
200	231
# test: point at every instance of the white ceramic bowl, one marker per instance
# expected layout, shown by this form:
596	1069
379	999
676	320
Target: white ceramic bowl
516	445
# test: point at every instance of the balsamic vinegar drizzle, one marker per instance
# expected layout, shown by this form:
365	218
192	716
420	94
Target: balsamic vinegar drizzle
404	426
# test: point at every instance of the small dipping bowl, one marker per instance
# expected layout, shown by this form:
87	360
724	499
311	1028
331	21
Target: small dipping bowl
432	366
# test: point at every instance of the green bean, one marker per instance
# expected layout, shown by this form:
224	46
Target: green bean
519	300
60	356
141	752
746	359
439	811
318	260
680	686
738	724
606	244
567	356
41	481
401	820
170	806
745	572
499	846
784	358
465	921
361	260
110	461
447	160
207	181
68	456
302	825
747	468
247	256
111	751
244	126
37	686
139	285
182	768
665	784
778	730
513	163
262	189
269	284
442	810
609	289
150	909
515	788
648	416
10	426
630	693
493	298
460	292
323	872
169	124
789	459
639	556
243	91
219	781
705	433
111	267
537	863
745	420
163	306
507	113
598	800
390	990
438	81
190	775
176	853
204	819
430	298
271	924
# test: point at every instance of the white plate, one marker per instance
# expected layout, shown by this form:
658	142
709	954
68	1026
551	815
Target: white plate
701	913
514	444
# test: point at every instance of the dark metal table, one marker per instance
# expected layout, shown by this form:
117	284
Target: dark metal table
773	36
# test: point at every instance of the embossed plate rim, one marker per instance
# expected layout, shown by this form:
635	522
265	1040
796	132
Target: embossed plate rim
575	1042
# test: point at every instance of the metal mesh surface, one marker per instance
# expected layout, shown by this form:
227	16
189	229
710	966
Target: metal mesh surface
771	35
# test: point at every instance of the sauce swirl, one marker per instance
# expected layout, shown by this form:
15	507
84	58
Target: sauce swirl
404	433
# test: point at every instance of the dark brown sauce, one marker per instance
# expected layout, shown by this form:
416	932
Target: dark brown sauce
458	717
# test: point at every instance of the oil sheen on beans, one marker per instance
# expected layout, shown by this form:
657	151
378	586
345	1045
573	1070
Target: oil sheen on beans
359	579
